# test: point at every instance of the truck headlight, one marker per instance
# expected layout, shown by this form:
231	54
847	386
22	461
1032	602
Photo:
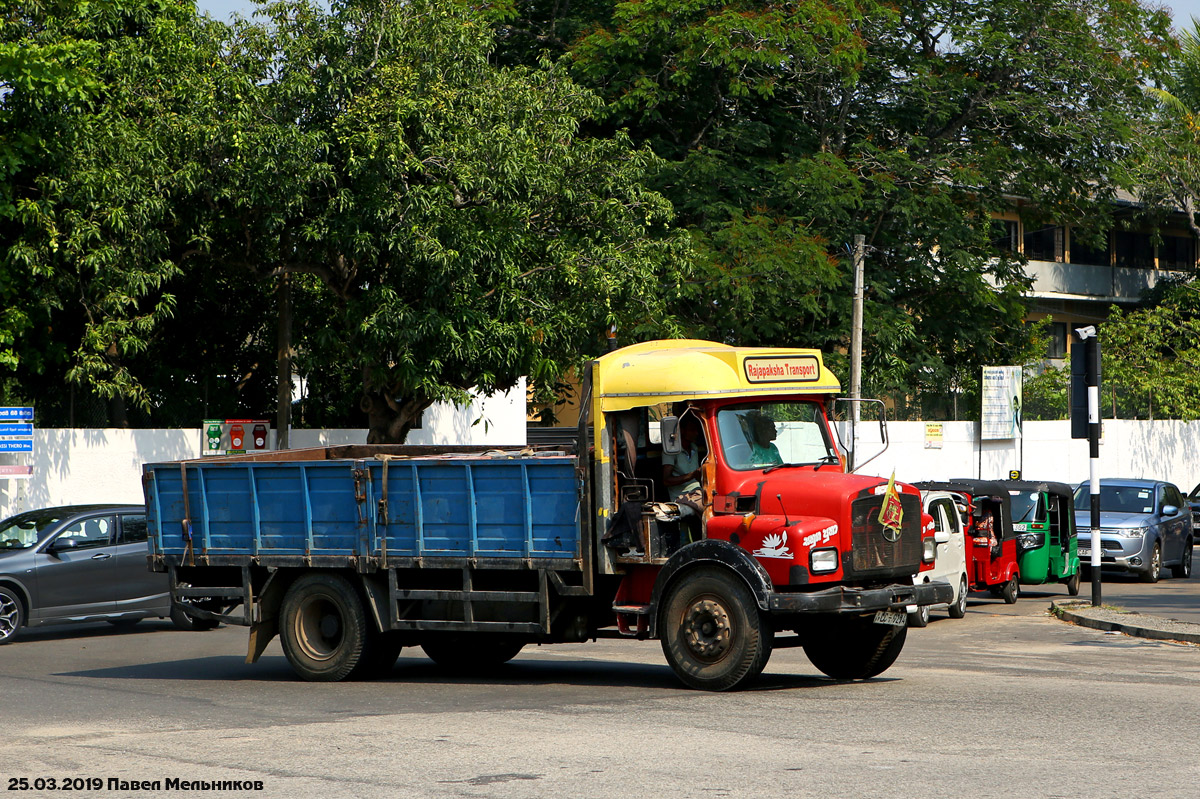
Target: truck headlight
928	550
823	560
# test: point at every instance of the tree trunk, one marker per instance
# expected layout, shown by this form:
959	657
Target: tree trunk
389	420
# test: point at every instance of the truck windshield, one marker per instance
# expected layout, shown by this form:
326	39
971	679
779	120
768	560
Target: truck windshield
22	531
764	434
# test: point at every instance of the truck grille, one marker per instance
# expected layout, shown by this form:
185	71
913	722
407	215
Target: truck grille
872	554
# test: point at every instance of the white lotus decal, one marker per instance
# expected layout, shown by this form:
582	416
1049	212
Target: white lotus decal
774	546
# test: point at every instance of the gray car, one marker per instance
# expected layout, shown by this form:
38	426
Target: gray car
79	563
1144	525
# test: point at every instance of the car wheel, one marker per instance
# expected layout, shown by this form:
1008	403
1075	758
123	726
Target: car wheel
959	608
1154	569
920	617
12	615
1184	569
1011	590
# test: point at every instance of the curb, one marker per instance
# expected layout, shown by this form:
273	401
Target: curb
1138	630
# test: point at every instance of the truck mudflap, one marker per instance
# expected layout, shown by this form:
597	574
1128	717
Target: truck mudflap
841	599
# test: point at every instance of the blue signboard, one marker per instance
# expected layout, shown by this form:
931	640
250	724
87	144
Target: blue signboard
21	429
13	413
20	445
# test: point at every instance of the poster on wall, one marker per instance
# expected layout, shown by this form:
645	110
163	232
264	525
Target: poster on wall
934	435
1001	402
234	436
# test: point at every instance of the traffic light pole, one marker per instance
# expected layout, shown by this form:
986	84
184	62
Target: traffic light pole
1091	344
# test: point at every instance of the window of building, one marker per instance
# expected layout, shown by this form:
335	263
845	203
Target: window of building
1056	346
1133	249
1043	244
1004	235
1177	253
1084	253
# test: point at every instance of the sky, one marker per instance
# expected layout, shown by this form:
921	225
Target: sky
1181	10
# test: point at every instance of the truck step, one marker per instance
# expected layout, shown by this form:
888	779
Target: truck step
632	610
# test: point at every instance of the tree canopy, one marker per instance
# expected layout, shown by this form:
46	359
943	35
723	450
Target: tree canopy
450	195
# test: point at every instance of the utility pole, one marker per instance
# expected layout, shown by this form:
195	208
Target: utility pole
856	325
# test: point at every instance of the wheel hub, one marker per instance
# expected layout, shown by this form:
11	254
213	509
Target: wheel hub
319	628
706	629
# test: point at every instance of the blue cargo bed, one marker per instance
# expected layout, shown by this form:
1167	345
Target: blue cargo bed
384	510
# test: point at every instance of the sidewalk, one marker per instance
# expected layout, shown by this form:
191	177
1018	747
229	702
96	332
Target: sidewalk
1112	619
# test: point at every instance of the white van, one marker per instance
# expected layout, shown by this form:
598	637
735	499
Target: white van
951	564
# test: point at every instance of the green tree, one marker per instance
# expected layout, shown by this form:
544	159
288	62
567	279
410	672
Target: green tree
788	127
441	222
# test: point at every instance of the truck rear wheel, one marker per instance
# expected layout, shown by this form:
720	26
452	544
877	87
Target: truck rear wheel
712	633
325	631
471	652
854	649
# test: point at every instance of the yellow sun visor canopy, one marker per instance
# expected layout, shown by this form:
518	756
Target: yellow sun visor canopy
679	369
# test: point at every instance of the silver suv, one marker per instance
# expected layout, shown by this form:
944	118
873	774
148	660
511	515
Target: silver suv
1144	525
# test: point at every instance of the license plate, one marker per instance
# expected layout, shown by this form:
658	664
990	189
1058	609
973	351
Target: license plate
1084	551
891	618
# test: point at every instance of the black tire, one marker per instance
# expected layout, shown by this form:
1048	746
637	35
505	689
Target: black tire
854	648
1184	569
1073	584
324	628
1154	567
379	656
476	654
182	621
959	609
12	615
1011	590
712	633
920	618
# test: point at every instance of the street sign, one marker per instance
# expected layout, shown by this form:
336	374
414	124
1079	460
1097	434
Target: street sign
10	471
16	413
11	430
20	445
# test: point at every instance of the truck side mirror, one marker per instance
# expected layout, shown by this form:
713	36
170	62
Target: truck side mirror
669	428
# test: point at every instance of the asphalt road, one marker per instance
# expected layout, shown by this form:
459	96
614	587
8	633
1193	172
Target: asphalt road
1007	702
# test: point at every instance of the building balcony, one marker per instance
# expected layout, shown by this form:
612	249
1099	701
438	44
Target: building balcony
1123	284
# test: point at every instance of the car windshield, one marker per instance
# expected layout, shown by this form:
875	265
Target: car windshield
1025	506
1118	499
764	434
22	531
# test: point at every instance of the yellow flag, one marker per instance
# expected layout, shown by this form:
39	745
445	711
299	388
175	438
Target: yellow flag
891	514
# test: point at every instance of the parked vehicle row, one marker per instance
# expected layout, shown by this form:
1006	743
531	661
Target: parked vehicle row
80	563
1000	535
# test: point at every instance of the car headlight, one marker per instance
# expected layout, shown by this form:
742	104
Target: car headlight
823	560
928	550
1135	532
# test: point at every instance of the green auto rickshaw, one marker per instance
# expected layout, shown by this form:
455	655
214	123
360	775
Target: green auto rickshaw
1044	522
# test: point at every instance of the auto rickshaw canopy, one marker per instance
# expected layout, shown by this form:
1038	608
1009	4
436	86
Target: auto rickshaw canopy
980	489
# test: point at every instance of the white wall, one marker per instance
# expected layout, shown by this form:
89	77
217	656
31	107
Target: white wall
105	465
1161	450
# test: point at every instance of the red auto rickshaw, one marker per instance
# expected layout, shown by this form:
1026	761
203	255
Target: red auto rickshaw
991	542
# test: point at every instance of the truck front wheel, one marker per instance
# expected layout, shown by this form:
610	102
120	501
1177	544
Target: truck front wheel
854	648
712	633
325	631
